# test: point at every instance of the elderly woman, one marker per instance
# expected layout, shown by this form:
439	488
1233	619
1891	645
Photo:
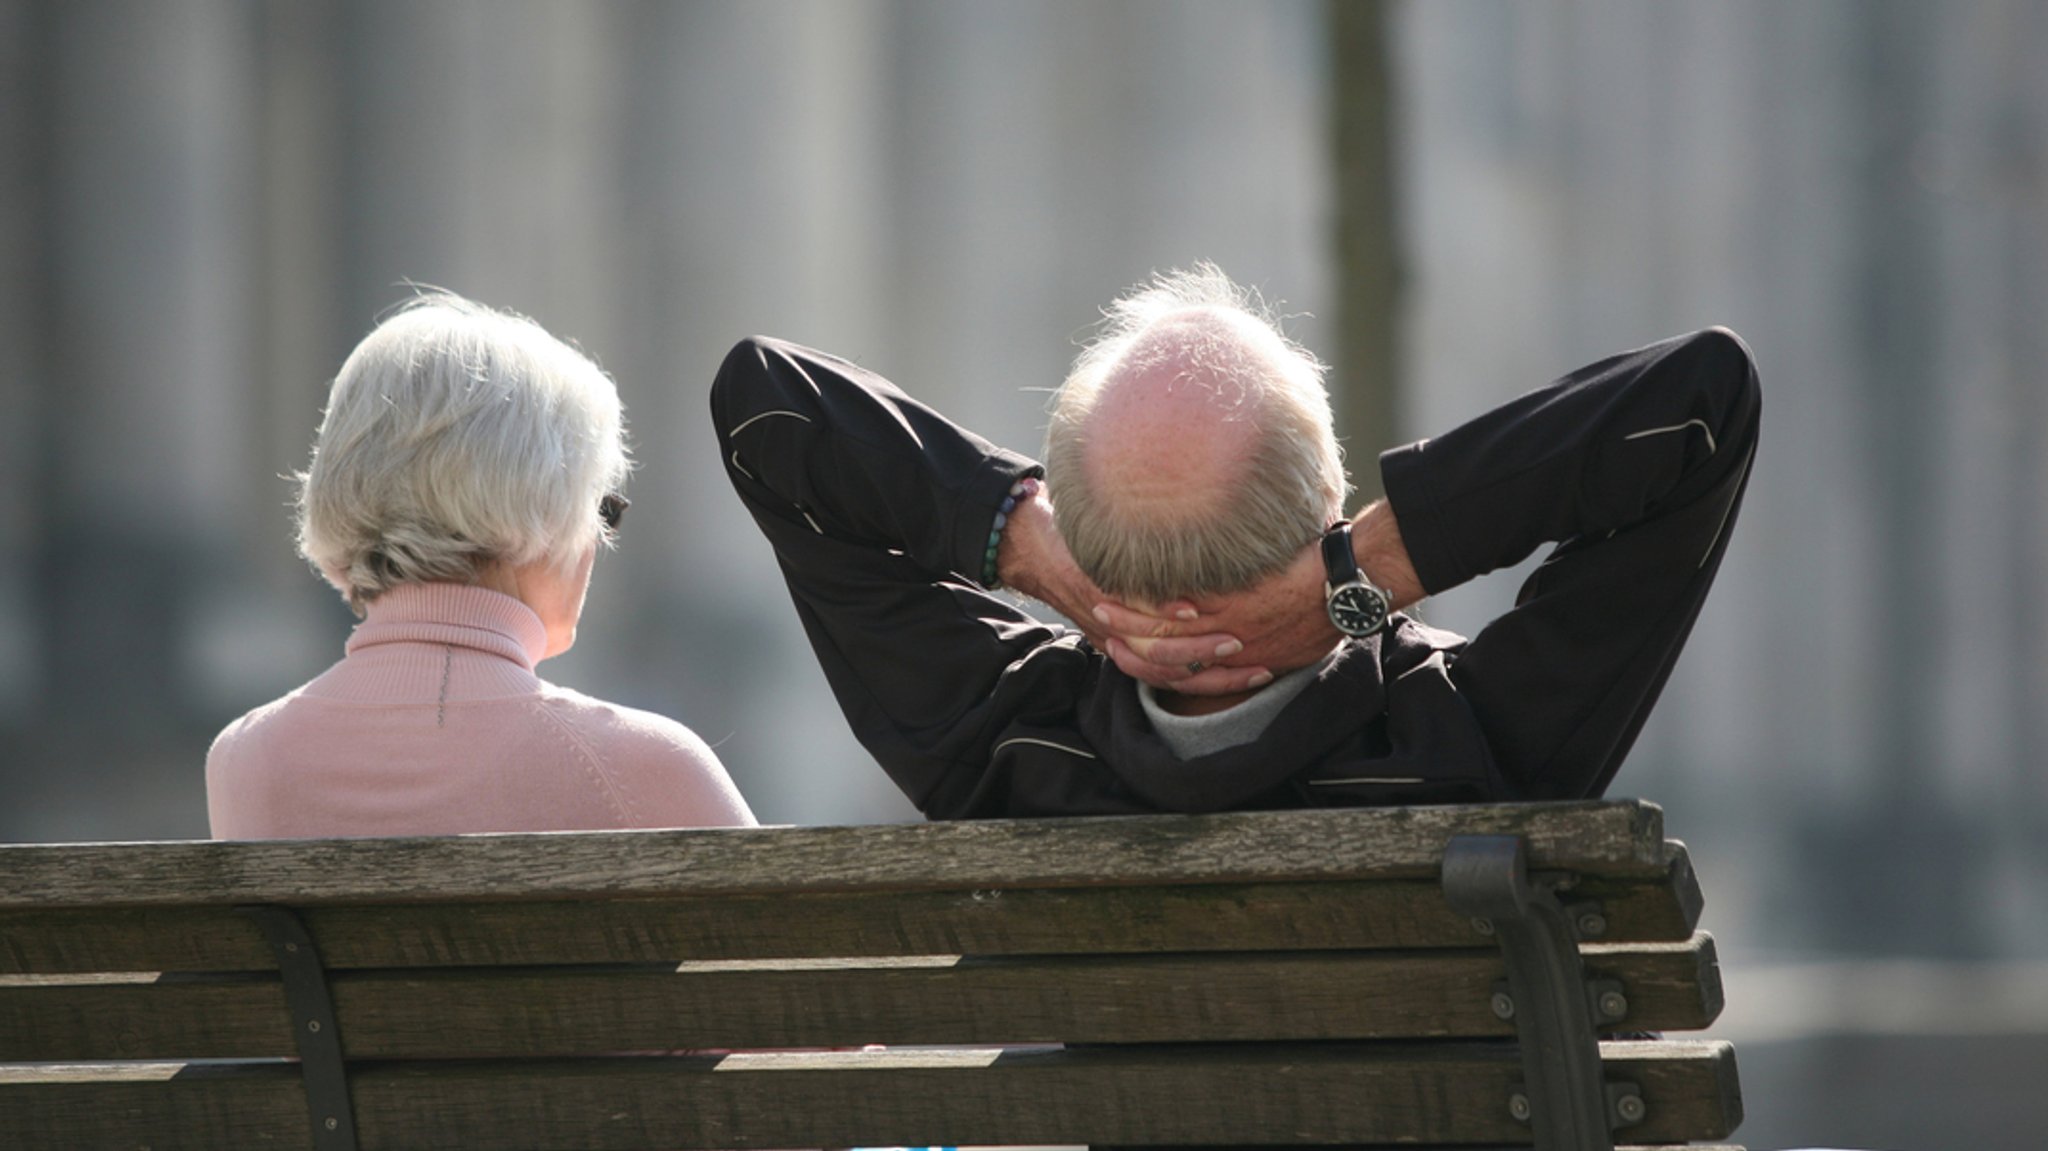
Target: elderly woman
465	476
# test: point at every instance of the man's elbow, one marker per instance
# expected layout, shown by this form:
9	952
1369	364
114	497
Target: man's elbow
1720	358
1722	372
743	371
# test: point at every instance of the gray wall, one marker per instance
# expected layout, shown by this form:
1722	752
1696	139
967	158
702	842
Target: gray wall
1862	190
1852	743
208	202
203	204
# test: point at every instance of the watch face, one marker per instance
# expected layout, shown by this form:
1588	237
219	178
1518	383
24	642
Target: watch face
1357	609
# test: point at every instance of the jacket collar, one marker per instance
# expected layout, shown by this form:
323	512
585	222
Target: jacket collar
1347	695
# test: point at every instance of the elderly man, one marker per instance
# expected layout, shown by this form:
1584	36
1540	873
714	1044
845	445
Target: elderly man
1244	645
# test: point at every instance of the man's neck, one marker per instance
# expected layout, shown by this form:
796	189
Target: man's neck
1175	703
1191	736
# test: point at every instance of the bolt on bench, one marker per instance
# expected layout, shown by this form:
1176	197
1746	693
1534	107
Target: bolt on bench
1470	976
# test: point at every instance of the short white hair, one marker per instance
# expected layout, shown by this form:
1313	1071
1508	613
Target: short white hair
457	437
1294	481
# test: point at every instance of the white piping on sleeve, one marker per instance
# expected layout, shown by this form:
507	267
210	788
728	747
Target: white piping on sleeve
749	421
1700	424
1042	743
743	425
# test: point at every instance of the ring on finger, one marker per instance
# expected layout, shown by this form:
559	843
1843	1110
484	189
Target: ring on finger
1194	667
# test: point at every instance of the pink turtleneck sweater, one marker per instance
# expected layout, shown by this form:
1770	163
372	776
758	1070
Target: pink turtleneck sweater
434	723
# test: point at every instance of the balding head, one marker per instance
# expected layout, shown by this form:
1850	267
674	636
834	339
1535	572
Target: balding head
1190	450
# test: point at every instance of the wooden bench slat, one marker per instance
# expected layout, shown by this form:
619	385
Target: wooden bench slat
1333	1093
161	1106
1617	837
1313	915
1241	979
943	1000
47	1022
1648	1064
1683	982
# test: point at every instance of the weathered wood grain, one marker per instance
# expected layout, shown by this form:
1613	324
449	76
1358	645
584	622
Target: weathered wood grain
1238	1094
162	1107
939	1000
1216	974
44	1019
1651	1066
1684	984
1618	837
1332	915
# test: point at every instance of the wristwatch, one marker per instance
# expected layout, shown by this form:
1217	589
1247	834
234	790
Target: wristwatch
1356	605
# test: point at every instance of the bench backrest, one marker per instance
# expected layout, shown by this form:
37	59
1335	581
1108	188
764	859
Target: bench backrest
1237	979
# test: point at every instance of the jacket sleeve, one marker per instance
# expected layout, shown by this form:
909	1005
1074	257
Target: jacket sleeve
880	512
1635	467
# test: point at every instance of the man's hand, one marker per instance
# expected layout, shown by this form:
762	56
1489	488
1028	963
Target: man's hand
1034	560
1282	618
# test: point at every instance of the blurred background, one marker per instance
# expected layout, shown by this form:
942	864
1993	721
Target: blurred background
205	203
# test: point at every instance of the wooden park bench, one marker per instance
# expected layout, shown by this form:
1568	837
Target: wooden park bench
1470	976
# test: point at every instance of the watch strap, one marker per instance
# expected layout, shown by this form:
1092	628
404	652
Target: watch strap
1340	566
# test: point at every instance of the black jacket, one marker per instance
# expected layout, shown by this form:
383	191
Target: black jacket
879	511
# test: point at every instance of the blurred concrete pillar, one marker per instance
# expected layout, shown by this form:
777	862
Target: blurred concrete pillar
754	137
1365	348
25	347
1978	168
487	139
973	155
2016	153
753	144
1893	294
151	305
260	622
301	332
1904	844
1046	157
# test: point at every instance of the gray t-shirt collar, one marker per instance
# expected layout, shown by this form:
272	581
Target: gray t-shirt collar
1194	736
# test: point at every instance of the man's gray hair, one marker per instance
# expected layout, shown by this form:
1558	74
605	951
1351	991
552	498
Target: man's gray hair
1293	482
457	437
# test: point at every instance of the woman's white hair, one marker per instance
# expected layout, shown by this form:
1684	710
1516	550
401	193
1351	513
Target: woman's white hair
1293	483
457	437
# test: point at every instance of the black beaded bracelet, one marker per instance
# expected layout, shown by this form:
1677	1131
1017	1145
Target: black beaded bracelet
1023	489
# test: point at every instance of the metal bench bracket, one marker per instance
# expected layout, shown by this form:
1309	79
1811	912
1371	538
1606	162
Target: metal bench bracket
313	1026
1563	1095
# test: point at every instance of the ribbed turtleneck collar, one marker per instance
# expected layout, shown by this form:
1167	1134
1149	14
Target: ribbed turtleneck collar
457	614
